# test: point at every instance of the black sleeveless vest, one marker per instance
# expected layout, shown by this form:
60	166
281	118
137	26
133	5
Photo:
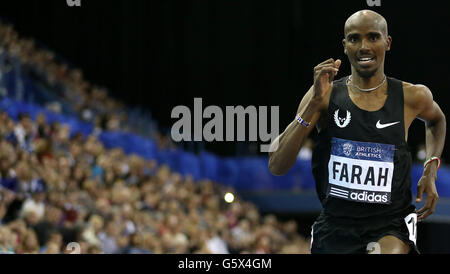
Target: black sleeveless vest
361	162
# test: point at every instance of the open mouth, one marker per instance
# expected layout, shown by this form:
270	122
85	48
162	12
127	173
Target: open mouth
366	61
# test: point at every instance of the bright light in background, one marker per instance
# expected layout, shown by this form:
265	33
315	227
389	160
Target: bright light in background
229	197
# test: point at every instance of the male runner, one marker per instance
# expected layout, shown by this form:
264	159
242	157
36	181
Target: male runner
361	163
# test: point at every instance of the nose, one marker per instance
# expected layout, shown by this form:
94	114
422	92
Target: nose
364	48
364	44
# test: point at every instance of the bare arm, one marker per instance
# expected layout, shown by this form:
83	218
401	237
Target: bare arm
286	146
435	130
292	139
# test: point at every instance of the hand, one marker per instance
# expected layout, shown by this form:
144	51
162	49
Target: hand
427	184
324	74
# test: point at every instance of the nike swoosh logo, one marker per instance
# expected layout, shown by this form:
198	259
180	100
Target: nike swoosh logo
381	126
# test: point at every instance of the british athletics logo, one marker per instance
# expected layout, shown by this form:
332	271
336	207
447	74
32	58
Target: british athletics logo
361	171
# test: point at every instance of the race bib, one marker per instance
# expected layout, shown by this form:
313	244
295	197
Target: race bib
361	171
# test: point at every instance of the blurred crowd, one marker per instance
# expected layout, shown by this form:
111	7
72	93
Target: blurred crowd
57	189
92	103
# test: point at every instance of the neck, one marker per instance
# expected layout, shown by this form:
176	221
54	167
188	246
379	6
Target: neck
367	82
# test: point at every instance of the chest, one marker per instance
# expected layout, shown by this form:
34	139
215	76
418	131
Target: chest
369	101
374	117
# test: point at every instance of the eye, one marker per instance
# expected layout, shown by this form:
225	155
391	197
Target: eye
352	39
374	37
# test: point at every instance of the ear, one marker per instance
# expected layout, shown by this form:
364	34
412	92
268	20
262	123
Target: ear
343	44
388	43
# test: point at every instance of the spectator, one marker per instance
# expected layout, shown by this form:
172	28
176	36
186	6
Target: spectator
5	236
35	204
109	237
49	225
215	244
24	132
91	232
29	243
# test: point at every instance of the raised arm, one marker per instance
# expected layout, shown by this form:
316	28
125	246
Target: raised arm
285	147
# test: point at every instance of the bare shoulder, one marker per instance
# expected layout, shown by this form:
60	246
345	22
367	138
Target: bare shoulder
417	95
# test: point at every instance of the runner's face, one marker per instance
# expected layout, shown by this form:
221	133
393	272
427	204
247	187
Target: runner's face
366	44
